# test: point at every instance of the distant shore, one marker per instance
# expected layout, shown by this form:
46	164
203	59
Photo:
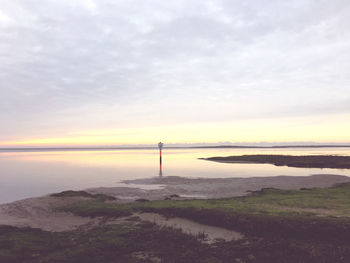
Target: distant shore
307	161
107	148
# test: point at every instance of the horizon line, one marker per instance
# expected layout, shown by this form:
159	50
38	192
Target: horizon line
145	147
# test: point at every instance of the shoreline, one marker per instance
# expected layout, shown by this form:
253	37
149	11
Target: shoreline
40	212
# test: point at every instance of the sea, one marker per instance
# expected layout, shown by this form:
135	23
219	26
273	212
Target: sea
35	172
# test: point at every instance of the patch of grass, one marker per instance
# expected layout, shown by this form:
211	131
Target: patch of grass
26	244
111	243
94	208
34	245
149	243
334	199
71	193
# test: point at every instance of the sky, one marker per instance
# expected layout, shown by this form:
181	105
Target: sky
111	72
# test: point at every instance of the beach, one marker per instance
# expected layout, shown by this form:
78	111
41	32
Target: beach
40	212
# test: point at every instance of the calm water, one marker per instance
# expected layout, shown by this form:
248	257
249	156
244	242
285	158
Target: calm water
28	174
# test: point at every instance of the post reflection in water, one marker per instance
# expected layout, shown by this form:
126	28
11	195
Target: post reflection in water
160	146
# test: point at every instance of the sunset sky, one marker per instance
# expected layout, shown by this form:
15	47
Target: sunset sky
110	72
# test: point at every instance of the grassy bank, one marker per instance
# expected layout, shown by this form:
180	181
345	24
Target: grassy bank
308	225
308	213
308	161
332	202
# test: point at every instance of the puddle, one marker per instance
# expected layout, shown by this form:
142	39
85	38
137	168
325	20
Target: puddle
211	233
141	186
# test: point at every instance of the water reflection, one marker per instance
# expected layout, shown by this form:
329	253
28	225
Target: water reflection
160	146
26	174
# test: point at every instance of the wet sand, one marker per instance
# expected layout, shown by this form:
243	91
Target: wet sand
187	188
40	213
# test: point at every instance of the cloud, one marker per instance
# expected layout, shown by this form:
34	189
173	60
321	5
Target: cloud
5	20
68	65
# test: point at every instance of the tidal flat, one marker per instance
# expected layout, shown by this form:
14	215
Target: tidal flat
275	225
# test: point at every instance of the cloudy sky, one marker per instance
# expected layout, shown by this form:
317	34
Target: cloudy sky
120	72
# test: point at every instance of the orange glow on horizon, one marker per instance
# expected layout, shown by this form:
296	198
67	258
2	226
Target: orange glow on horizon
282	130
